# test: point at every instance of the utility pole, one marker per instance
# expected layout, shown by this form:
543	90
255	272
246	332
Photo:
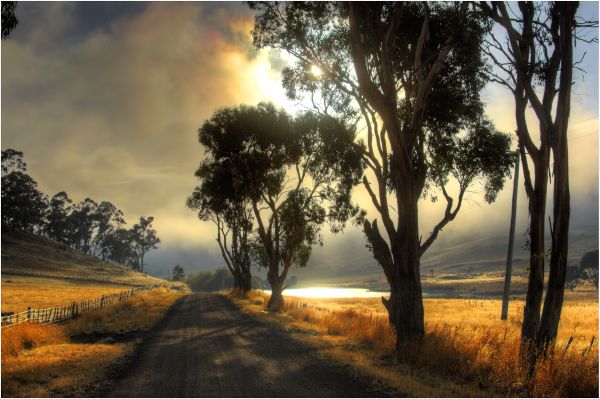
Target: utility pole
511	242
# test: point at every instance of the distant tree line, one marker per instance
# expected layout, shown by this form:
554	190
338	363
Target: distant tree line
94	228
587	270
218	280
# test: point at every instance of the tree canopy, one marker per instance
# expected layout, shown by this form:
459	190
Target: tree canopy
409	75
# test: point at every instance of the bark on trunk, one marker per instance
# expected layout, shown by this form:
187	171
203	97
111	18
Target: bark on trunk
401	264
562	200
535	288
245	280
276	300
405	310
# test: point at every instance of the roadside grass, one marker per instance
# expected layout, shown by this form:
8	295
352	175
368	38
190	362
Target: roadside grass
467	350
48	360
19	292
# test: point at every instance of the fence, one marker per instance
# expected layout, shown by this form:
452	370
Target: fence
61	313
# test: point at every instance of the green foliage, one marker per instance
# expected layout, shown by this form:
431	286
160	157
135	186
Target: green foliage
23	205
143	239
86	226
178	273
573	277
216	281
300	169
482	153
9	19
588	266
456	141
589	260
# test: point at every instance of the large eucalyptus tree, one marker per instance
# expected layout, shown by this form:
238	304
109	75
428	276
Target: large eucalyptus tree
410	74
296	174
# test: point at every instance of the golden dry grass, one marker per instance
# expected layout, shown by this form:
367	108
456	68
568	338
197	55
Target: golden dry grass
19	292
465	341
41	360
33	255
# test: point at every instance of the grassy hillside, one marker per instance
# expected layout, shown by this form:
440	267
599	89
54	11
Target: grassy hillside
39	272
32	255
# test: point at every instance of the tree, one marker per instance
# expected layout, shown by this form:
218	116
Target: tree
217	200
108	218
57	219
23	205
535	62
411	74
143	239
178	273
82	224
592	276
296	173
589	260
119	247
573	277
588	265
9	19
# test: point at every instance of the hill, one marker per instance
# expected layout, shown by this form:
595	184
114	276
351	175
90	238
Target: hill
349	261
26	254
39	273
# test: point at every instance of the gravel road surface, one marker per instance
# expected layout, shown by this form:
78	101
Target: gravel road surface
208	348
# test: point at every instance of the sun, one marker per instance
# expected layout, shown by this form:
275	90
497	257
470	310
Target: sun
316	71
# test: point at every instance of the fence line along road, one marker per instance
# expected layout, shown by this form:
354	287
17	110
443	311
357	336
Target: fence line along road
61	313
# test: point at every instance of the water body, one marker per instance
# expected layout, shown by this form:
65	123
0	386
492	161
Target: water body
332	292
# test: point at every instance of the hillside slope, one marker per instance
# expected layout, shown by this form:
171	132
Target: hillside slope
27	254
350	260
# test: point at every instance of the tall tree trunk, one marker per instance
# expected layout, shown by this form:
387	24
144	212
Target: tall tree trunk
406	298
562	199
401	266
405	309
245	279
511	243
535	288
276	300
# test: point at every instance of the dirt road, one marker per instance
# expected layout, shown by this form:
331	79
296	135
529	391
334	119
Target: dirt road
208	348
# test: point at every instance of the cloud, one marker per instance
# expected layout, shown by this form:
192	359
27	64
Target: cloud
112	114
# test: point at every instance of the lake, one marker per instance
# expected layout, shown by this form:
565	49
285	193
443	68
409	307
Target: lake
332	292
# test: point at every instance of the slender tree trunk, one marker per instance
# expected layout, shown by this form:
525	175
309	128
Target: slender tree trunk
511	243
535	288
562	199
558	262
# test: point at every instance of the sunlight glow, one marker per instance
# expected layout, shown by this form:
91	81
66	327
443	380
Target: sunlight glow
329	292
316	71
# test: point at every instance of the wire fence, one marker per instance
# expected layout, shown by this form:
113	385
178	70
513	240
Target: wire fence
62	313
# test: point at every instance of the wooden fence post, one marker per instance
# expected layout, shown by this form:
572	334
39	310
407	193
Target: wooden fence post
28	313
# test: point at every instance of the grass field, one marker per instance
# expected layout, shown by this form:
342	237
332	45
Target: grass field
28	254
19	292
467	350
51	360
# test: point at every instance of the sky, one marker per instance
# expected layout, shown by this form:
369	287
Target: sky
105	100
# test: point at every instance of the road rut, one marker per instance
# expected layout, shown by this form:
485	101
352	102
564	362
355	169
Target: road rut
208	348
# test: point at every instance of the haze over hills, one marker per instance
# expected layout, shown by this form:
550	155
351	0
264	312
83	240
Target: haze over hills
352	260
345	259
